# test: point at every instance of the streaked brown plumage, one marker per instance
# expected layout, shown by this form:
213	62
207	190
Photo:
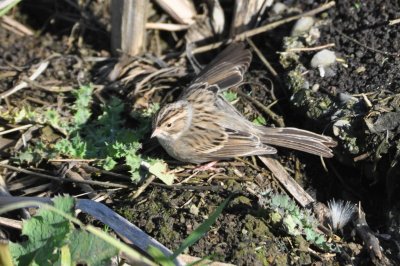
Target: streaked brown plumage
202	126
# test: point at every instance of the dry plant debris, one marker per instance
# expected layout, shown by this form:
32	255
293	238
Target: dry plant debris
74	120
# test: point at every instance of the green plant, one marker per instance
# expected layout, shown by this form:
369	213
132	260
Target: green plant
104	137
260	121
8	7
52	239
285	213
230	96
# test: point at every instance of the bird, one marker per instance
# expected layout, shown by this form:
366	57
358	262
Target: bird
201	126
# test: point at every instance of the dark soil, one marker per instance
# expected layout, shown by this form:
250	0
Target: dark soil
242	235
376	50
369	48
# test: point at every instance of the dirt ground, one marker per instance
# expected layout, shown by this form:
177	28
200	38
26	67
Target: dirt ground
370	67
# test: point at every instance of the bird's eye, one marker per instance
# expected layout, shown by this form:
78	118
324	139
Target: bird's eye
169	125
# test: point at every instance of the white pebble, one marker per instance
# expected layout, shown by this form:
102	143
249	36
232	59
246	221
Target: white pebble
278	8
302	25
323	58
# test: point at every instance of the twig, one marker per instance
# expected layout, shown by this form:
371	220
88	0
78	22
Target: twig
277	119
265	28
140	190
42	67
89	168
122	226
394	21
263	59
267	65
72	160
15	224
90	182
14	129
180	187
166	26
371	243
16	26
48	88
191	260
361	157
298	193
308	49
85	187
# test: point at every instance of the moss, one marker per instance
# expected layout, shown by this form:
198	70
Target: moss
296	81
168	234
301	243
256	227
304	258
287	59
240	202
274	218
253	254
233	185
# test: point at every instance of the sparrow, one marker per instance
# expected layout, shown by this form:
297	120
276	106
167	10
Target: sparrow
201	126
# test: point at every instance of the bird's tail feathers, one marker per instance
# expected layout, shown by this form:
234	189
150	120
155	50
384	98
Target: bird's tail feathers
299	139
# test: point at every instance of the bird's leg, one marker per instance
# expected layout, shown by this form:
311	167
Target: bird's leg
208	166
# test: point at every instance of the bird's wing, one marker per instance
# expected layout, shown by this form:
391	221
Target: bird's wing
227	69
240	143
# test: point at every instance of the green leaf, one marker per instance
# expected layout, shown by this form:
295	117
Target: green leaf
109	163
81	106
230	96
75	147
133	161
53	240
25	156
88	249
159	257
47	232
53	117
202	229
260	121
160	170
8	7
83	96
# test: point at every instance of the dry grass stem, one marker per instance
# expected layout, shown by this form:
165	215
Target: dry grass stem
247	14
14	129
166	26
265	28
129	26
40	175
15	26
182	11
41	68
308	49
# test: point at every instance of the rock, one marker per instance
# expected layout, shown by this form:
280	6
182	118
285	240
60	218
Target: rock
302	25
279	8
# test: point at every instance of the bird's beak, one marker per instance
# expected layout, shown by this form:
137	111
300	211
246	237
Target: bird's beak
155	133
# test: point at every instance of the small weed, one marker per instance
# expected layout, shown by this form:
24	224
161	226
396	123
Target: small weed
230	96
285	213
260	121
104	137
51	236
